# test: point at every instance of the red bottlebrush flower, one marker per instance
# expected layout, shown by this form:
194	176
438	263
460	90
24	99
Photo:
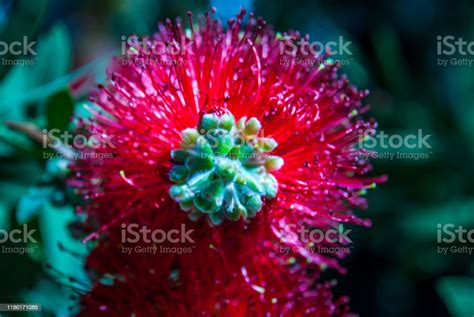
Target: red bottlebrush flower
245	147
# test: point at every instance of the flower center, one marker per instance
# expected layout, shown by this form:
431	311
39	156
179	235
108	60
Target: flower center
222	169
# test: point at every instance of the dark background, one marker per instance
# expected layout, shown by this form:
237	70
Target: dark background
394	269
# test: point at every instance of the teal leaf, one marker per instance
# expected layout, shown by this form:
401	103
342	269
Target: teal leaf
457	293
53	59
54	55
31	203
54	222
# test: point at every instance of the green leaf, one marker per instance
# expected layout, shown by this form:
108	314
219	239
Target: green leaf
59	110
53	59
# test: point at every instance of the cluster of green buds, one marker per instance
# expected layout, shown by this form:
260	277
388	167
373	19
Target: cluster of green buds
222	169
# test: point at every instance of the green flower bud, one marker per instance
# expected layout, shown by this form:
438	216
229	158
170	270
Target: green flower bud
252	127
209	121
222	173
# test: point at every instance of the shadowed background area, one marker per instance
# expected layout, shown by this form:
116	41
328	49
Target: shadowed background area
395	268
